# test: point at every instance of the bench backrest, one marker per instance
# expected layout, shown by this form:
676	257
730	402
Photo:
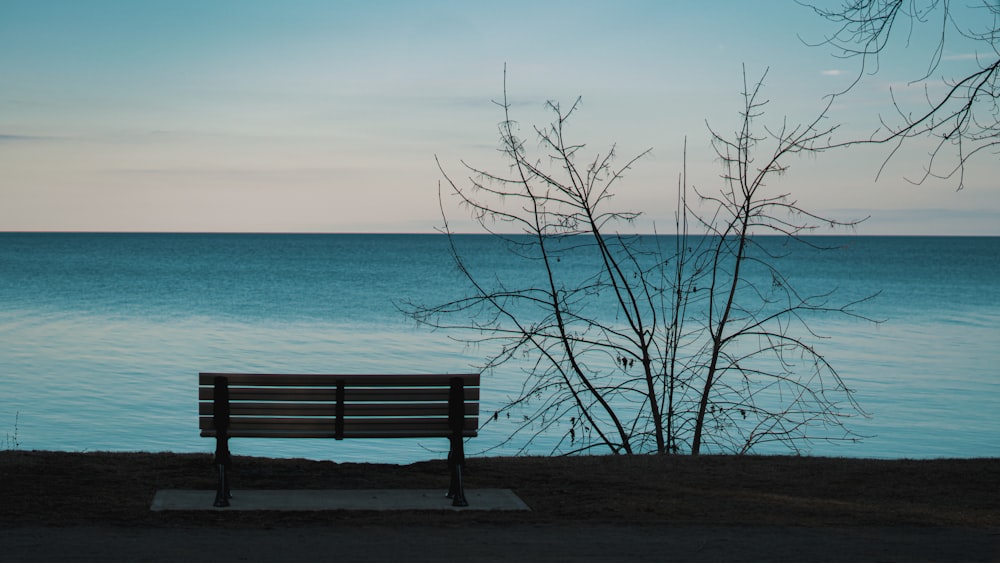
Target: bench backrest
339	406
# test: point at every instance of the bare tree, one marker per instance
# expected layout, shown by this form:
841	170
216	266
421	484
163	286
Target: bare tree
963	120
629	345
772	317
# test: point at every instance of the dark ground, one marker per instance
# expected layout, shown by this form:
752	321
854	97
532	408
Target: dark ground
96	505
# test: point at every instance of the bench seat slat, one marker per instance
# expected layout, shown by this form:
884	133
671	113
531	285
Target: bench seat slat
330	395
350	431
313	423
329	434
330	409
330	380
404	433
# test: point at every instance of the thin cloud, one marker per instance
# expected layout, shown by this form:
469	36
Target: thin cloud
316	171
832	72
5	138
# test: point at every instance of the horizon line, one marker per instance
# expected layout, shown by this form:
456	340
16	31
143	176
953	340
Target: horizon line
438	233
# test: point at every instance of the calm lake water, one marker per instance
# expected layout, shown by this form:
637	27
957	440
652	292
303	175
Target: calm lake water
102	335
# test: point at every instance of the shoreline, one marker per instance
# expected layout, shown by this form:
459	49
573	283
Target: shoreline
46	488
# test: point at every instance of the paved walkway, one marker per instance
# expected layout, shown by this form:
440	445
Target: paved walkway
339	499
472	542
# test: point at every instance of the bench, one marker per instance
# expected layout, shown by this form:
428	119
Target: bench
248	405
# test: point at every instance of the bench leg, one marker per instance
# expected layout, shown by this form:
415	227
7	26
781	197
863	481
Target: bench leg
456	491
223	463
222	493
456	460
220	418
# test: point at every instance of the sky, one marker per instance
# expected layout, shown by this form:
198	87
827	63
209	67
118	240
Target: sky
328	116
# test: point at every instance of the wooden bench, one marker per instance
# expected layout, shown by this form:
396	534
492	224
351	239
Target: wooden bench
248	405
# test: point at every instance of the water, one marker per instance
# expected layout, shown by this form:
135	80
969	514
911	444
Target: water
102	335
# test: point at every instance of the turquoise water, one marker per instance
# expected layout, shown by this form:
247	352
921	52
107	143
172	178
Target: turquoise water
102	335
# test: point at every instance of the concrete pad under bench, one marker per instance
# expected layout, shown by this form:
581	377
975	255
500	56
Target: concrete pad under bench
339	499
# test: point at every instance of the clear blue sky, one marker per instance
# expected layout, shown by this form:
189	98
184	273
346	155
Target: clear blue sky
318	115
